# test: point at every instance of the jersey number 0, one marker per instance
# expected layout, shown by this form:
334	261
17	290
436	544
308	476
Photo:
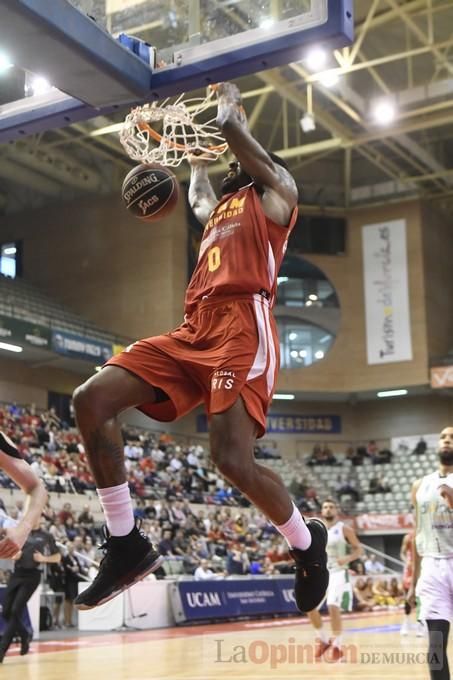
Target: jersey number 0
214	259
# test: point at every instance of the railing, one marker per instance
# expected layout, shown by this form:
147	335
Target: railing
20	300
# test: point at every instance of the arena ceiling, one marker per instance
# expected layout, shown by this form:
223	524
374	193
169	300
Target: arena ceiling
402	56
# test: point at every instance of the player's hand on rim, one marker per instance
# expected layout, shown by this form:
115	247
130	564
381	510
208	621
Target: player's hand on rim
229	93
229	90
196	158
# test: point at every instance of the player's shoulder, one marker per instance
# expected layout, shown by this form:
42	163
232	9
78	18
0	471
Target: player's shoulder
431	475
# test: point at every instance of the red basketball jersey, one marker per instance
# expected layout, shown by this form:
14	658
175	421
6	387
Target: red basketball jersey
241	250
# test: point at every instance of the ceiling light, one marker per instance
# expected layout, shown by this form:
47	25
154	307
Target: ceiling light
384	112
282	279
11	348
392	393
37	85
308	303
303	353
10	251
5	62
325	338
307	122
312	296
316	59
285	397
329	79
294	353
319	354
292	336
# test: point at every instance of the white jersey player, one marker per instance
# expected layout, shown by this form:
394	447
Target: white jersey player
13	537
343	547
433	573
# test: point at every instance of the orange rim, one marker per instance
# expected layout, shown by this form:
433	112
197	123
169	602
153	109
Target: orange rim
180	147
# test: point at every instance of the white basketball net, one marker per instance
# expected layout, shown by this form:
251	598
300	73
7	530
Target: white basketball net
180	134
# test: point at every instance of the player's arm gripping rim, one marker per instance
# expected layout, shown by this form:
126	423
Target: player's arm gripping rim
280	191
357	550
416	561
202	198
36	497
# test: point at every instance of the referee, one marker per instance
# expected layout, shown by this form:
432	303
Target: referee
40	548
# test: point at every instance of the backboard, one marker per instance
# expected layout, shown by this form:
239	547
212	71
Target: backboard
193	43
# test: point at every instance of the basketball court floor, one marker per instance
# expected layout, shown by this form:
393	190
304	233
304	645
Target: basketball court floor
240	651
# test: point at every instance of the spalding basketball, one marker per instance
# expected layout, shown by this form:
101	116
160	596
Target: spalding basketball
150	192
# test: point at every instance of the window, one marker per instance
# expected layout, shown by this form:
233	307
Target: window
302	343
307	312
10	259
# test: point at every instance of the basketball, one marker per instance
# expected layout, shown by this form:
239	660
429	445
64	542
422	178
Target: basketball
150	192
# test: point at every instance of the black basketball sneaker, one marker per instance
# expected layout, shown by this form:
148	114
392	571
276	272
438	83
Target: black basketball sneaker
312	575
8	446
127	559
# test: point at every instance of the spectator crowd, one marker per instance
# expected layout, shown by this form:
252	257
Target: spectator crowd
168	480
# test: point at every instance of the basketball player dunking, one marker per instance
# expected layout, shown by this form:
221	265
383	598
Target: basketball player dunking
13	538
225	355
343	547
433	576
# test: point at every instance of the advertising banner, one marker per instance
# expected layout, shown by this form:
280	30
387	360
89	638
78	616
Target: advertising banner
303	424
79	347
384	523
24	332
441	377
387	314
200	600
288	423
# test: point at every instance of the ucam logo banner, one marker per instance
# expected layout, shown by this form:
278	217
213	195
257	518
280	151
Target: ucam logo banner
388	326
441	377
217	599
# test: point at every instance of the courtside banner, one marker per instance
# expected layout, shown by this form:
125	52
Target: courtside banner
387	315
79	347
201	600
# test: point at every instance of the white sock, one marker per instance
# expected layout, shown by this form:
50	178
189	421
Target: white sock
117	506
322	635
337	642
295	531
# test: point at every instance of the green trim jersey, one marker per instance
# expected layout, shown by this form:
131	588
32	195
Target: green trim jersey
337	546
434	535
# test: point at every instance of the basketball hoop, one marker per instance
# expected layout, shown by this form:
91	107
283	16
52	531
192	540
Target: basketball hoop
180	135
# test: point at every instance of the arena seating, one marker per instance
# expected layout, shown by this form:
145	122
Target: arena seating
158	468
24	301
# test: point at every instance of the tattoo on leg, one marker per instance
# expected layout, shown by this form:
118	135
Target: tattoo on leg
106	456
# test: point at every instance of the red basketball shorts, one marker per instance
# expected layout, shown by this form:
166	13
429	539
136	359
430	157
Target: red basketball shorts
225	348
